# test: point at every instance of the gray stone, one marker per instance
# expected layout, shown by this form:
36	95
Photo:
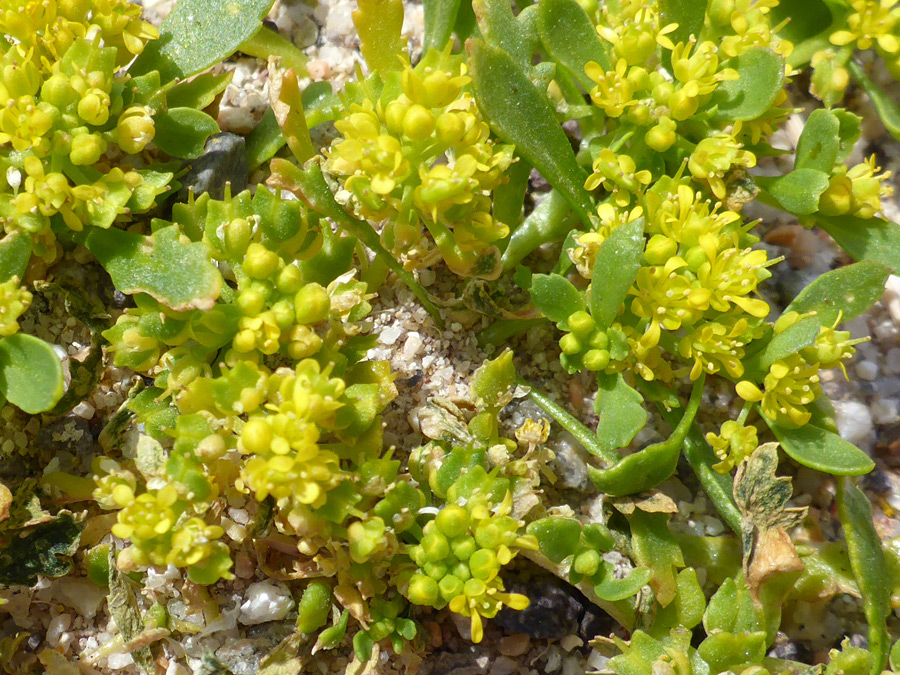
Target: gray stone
224	160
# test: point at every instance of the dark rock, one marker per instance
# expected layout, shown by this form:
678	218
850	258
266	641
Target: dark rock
224	160
556	609
878	482
785	648
537	182
66	434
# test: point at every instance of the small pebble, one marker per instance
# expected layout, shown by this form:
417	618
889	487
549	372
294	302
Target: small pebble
885	410
855	423
892	361
514	645
504	665
57	628
390	335
265	601
867	370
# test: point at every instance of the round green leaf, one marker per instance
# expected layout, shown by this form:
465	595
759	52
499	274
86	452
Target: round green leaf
797	191
613	590
761	74
182	132
822	450
558	537
555	297
31	374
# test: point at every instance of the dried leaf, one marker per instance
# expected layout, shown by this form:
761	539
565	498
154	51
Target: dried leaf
123	607
441	420
46	549
5	502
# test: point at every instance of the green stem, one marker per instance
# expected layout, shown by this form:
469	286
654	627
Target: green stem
581	433
266	43
745	412
503	329
546	223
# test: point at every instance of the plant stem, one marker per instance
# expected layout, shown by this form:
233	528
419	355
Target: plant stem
546	223
266	43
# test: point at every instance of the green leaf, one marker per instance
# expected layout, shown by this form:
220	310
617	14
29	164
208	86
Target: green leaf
198	92
182	132
517	36
45	549
822	450
869	566
199	33
440	16
817	21
789	341
617	264
31	375
724	651
621	411
267	43
819	142
655	547
846	292
571	39
888	111
378	23
761	76
850	131
612	589
494	381
555	297
521	114
557	537
798	191
688	14
15	252
865	239
178	273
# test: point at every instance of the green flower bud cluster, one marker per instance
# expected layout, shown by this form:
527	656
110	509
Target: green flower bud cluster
68	100
424	155
460	556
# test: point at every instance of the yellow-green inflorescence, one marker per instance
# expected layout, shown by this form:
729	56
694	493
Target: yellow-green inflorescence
420	153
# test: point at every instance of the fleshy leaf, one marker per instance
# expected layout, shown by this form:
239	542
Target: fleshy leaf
612	589
31	375
182	132
199	33
822	450
521	114
571	39
761	75
819	142
725	651
869	566
791	340
865	239
378	23
440	16
846	292
621	411
656	548
688	14
616	266
515	35
177	273
798	191
198	92
493	382
15	252
557	537
555	297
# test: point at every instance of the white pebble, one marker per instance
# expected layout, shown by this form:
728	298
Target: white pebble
867	370
892	298
885	410
412	346
892	362
119	661
58	626
855	423
265	601
390	335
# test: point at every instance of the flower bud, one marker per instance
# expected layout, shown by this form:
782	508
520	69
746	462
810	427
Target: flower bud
569	344
257	436
237	237
134	130
838	197
450	586
450	128
423	590
596	359
659	249
463	547
435	547
86	149
682	105
251	302
452	520
418	123
587	563
93	108
394	115
57	91
662	136
483	564
260	262
581	323
599	340
311	304
289	280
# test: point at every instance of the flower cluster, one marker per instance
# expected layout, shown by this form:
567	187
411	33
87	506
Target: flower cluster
460	556
424	155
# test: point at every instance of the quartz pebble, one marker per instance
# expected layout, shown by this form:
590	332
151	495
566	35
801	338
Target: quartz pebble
855	423
867	370
514	645
885	410
265	601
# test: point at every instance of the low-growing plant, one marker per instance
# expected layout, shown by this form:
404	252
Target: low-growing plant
251	321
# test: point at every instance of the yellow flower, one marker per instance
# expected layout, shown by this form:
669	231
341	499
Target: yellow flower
872	22
790	385
715	156
25	123
698	74
731	274
868	187
614	91
484	599
14	300
667	297
636	33
733	443
716	345
618	175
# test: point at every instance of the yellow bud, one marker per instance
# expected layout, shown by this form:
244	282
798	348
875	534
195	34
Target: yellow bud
596	359
237	237
748	391
257	436
569	344
659	249
838	198
311	304
94	107
244	341
394	115
450	128
418	123
86	149
581	323
304	342
251	302
57	91
260	262
283	313
289	280
661	137
681	105
134	130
